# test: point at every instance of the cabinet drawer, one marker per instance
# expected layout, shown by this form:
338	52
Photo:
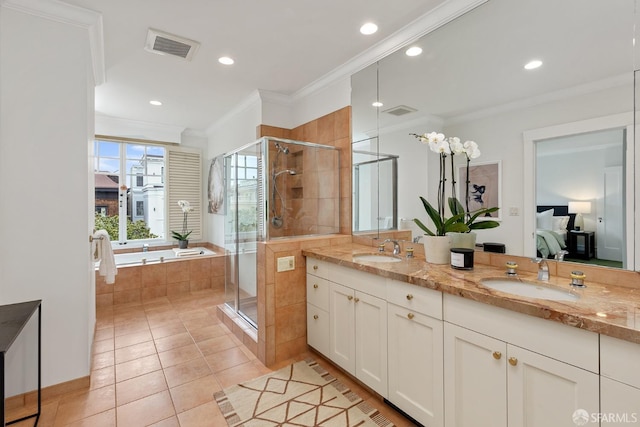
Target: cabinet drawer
318	292
358	280
415	298
317	268
619	360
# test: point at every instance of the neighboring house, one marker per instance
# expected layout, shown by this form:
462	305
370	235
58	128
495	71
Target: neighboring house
106	190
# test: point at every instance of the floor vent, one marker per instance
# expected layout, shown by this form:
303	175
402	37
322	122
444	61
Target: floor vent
168	44
400	110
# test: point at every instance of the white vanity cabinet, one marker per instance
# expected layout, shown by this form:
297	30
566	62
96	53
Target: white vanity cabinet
492	379
619	382
318	305
415	351
347	320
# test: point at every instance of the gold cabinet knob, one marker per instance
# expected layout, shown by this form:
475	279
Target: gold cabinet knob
410	316
350	297
315	286
513	361
409	297
315	316
315	267
497	355
357	299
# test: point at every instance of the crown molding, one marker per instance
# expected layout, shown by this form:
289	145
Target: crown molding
430	21
68	14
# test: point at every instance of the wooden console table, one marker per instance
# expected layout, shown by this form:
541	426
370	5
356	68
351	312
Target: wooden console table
13	318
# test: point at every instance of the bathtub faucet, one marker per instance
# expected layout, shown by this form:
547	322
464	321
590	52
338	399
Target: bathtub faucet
145	247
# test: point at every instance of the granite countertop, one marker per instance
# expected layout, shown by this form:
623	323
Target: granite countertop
605	309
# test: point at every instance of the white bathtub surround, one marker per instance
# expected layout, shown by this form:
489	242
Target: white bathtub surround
102	247
151	257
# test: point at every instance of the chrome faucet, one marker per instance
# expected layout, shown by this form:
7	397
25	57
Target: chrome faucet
543	269
560	255
417	239
145	247
396	246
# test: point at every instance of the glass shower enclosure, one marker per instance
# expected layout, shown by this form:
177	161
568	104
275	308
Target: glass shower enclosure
274	188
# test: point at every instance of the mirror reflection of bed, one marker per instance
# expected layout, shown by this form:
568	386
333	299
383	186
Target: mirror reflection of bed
553	225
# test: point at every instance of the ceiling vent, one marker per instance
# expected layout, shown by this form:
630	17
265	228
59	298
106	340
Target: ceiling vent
400	110
168	44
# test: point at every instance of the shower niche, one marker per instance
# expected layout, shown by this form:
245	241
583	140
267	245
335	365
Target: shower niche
274	189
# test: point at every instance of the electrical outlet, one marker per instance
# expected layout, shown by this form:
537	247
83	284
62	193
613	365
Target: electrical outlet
513	211
286	263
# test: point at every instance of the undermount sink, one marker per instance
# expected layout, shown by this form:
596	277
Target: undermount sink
528	289
376	258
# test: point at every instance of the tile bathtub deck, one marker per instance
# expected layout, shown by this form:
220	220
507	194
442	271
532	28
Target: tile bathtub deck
159	363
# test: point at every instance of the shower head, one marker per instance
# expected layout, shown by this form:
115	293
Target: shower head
289	171
282	149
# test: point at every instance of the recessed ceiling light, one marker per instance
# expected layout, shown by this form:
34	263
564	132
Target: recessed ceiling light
377	104
225	60
156	103
413	51
532	65
368	28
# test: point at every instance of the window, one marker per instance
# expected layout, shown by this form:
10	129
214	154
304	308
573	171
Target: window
129	190
137	186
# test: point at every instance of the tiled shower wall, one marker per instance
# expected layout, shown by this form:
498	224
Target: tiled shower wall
282	295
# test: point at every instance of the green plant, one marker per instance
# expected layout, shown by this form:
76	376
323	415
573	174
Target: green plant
442	224
470	218
135	230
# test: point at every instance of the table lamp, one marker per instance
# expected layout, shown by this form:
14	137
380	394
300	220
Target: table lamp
579	208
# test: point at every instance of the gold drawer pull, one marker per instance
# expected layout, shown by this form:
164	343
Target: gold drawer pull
513	361
315	286
315	267
315	316
497	355
350	297
410	316
409	297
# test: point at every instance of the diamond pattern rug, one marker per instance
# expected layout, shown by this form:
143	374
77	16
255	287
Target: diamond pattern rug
300	395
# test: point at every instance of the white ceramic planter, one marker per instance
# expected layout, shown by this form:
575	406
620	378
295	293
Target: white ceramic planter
437	249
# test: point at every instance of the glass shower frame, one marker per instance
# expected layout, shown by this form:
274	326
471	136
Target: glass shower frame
252	173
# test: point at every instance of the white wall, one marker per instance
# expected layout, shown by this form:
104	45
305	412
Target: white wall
46	117
500	138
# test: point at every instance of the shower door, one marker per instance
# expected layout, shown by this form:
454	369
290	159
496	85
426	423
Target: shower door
243	227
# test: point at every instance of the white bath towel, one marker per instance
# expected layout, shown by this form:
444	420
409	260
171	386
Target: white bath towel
107	266
186	252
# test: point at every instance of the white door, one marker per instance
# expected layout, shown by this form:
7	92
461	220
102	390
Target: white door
620	403
415	365
545	392
342	346
609	219
371	341
475	379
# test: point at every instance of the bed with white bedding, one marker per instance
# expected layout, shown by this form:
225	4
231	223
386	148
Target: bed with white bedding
552	225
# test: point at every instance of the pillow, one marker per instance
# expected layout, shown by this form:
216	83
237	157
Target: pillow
560	223
544	220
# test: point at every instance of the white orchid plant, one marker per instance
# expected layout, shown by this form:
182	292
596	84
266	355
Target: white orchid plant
462	220
186	208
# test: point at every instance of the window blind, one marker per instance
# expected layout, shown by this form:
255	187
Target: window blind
184	182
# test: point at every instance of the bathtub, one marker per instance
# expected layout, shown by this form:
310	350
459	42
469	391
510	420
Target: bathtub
151	257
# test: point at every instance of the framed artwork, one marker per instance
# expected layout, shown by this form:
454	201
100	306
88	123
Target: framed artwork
485	187
216	186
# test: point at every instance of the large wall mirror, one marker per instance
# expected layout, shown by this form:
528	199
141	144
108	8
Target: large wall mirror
561	133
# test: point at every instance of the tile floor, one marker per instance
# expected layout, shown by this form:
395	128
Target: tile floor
159	363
